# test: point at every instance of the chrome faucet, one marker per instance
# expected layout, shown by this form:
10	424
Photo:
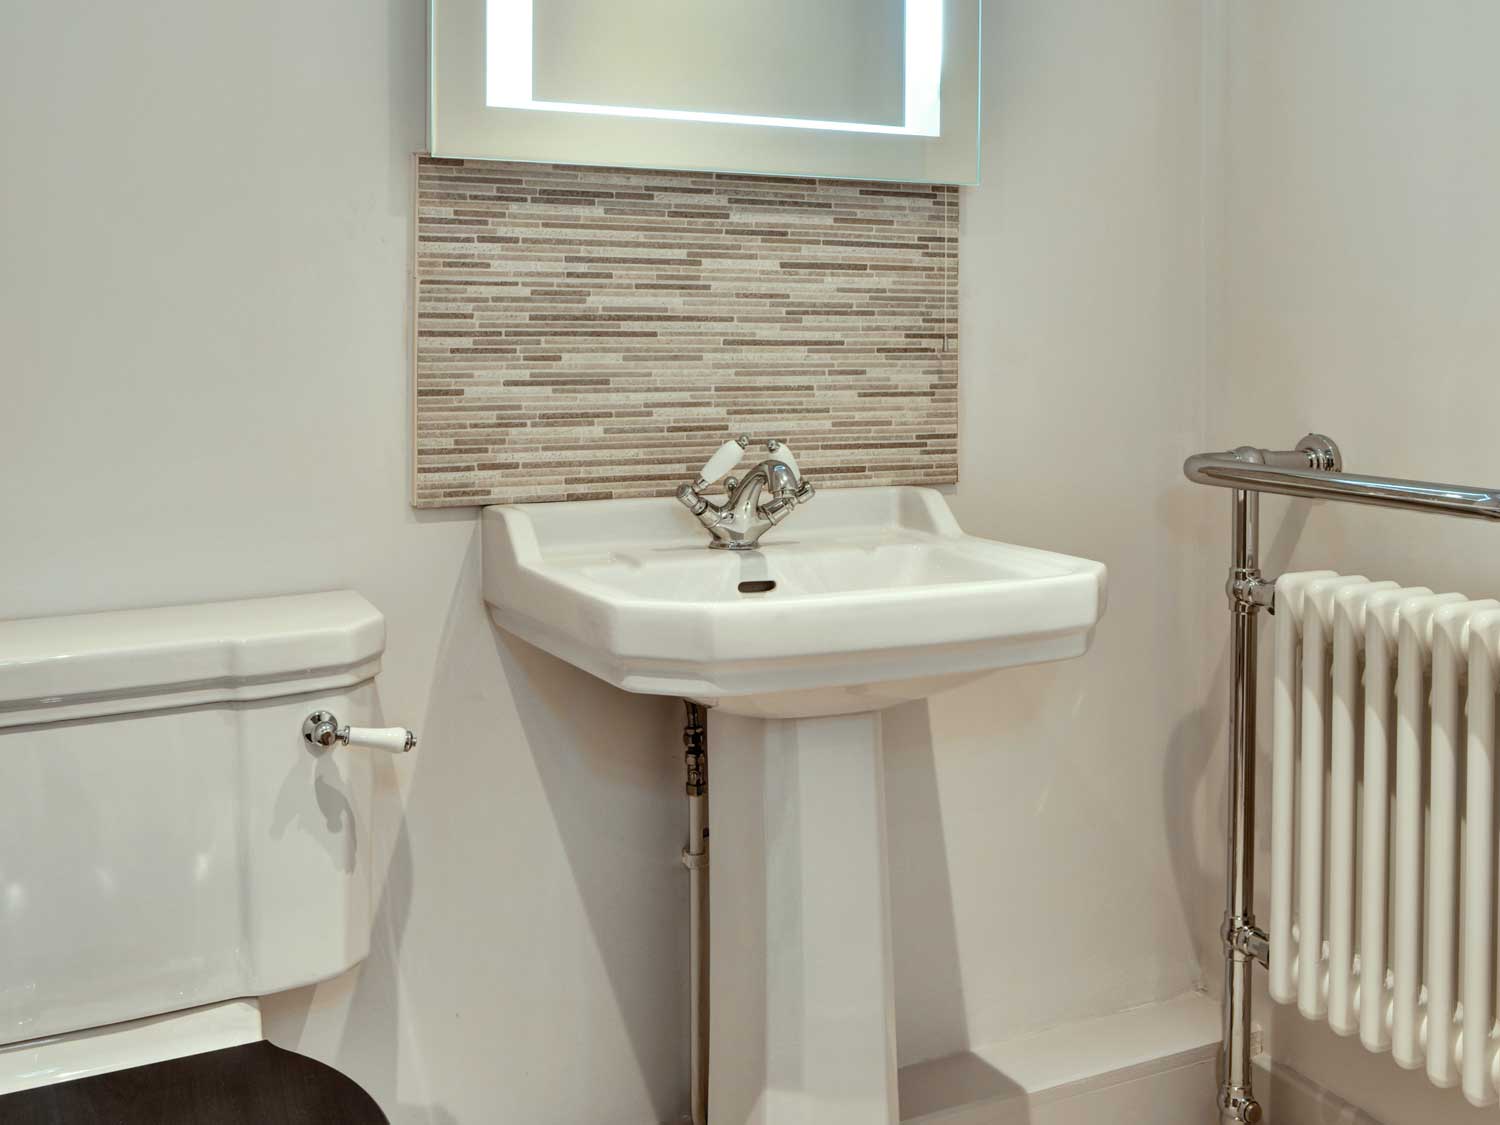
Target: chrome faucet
746	513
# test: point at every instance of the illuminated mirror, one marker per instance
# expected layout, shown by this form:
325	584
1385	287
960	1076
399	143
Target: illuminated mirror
866	89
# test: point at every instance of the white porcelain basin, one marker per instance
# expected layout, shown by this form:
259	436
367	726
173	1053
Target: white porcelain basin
865	597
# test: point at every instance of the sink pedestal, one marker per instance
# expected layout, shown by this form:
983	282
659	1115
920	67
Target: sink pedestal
867	598
802	1023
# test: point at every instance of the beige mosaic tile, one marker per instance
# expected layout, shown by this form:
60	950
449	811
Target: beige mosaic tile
586	333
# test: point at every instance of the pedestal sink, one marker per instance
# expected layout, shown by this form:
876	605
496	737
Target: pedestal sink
864	598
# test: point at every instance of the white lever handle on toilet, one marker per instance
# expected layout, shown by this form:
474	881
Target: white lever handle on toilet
321	728
397	740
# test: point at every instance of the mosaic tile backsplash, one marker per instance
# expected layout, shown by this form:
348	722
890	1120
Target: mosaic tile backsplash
587	333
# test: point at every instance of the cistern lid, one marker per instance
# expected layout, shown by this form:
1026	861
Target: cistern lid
87	665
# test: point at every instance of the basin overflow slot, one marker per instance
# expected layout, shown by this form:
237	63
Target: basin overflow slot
757	586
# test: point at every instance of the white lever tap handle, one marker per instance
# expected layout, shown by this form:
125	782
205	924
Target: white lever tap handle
726	458
321	728
783	453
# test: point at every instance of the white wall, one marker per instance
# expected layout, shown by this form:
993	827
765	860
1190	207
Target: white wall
204	219
1359	285
203	303
1043	871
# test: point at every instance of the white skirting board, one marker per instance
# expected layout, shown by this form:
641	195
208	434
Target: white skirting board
1152	1065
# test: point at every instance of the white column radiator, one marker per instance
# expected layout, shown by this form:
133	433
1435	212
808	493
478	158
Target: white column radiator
1383	828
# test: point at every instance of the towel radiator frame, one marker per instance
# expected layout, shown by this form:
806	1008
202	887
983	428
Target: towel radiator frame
1314	470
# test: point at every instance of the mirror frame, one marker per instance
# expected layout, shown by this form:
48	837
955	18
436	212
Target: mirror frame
462	125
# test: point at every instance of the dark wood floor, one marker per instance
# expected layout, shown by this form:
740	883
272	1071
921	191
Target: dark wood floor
256	1084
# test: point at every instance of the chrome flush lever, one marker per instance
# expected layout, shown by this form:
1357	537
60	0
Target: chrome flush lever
321	728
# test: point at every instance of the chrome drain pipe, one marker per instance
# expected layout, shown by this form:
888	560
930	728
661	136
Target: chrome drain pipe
695	859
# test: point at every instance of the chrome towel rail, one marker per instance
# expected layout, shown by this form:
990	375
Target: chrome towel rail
1314	470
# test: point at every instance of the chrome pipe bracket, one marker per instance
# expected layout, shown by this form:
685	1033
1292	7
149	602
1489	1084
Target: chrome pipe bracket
1323	454
1250	591
1243	937
1238	1106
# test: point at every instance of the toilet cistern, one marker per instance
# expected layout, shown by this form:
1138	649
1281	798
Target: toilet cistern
173	846
739	522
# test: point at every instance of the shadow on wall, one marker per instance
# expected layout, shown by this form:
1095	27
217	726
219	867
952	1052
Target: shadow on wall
1290	1099
1399	1097
1191	768
478	989
377	1044
929	982
961	1089
925	941
601	788
373	1042
370	1046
